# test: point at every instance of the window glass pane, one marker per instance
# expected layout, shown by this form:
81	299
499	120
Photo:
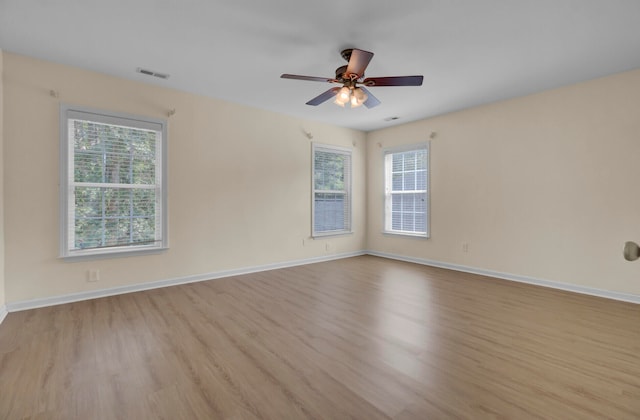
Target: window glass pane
421	202
144	202
396	221
120	208
396	202
116	169
116	140
407	203
116	232
85	136
407	222
397	162
420	159
397	182
142	155
88	167
409	161
88	202
329	212
421	180
421	222
113	154
117	202
143	229
88	233
409	181
329	171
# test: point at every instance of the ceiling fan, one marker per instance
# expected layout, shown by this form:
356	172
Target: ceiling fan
352	75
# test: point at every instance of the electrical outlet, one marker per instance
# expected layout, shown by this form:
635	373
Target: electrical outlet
465	247
93	275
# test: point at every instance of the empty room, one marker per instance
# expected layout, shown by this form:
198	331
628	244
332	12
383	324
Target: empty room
331	210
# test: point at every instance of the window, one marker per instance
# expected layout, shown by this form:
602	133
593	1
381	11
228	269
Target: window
406	190
112	183
331	190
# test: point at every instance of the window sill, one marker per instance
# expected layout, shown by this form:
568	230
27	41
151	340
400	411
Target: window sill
100	255
320	235
406	234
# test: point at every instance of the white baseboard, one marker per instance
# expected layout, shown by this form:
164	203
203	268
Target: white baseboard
625	297
93	294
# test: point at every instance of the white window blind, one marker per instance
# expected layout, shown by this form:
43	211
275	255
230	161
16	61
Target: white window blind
113	199
406	191
331	190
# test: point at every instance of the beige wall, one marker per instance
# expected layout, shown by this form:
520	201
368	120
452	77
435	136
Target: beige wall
545	186
239	182
541	186
2	286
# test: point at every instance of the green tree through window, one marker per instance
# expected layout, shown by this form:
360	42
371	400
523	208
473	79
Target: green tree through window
115	195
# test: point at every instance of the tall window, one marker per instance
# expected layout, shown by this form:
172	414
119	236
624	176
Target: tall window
112	189
406	190
331	190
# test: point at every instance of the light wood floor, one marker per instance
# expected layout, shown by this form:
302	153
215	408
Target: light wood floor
363	338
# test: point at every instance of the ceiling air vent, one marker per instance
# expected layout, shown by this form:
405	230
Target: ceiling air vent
152	73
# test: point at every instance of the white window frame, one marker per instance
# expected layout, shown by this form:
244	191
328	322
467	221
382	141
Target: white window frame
347	191
67	197
387	216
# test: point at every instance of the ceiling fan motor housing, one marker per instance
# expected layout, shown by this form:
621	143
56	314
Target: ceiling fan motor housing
346	54
340	73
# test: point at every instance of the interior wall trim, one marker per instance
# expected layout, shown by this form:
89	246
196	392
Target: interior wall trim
94	294
119	290
3	313
584	290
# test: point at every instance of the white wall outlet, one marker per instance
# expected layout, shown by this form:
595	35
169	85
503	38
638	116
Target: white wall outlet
465	247
93	275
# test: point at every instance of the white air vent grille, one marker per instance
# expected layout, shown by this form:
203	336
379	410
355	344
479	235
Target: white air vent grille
152	73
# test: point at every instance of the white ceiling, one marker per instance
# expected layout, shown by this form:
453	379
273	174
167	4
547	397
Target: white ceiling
470	51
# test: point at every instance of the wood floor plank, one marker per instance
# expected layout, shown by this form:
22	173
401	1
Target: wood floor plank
358	338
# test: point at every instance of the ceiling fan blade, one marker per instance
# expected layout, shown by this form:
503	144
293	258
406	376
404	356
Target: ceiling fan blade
358	62
323	97
371	100
394	81
309	78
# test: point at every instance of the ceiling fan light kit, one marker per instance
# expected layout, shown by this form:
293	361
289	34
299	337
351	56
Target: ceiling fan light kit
354	97
349	77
